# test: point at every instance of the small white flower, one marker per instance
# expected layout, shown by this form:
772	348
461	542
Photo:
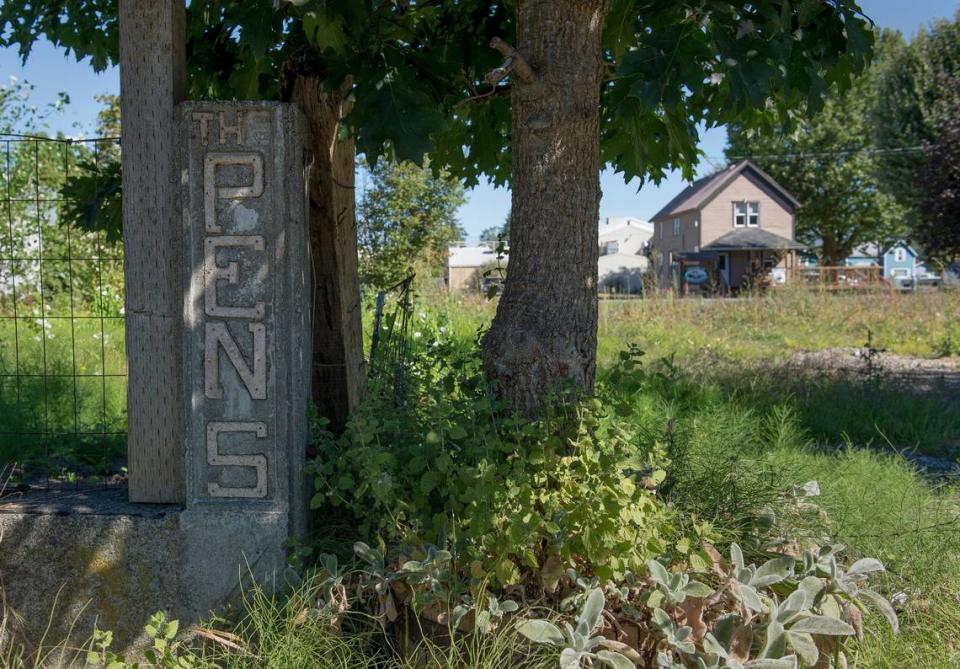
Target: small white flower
417	335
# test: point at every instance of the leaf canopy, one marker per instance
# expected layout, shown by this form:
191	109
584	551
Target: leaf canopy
674	67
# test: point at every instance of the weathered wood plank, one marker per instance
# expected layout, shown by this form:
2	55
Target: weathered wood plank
339	379
152	82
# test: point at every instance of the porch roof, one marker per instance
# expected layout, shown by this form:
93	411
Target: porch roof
753	239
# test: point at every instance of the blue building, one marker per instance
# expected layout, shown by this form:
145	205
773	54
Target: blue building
899	260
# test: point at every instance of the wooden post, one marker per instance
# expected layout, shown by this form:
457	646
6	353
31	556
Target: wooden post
152	82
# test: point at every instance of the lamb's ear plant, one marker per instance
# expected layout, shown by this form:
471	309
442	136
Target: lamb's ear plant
674	588
578	645
846	588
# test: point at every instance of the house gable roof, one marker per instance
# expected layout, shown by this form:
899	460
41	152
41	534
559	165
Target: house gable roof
873	251
701	191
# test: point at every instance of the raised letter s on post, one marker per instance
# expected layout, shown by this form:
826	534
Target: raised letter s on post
217	459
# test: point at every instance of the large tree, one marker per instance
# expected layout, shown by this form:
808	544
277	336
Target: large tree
824	163
625	83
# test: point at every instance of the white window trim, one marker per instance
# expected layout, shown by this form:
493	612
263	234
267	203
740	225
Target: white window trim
746	214
677	227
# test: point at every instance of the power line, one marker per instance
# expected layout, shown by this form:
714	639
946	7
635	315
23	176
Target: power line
824	154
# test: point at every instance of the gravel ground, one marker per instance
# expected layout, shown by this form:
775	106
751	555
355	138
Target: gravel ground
940	375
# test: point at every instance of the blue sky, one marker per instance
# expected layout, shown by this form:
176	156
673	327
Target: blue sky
51	72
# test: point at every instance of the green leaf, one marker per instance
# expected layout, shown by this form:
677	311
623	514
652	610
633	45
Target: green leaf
884	606
658	572
590	615
396	114
865	566
805	646
507	572
509	606
615	660
736	556
570	658
324	32
789	662
773	571
823	626
698	589
541	631
776	643
750	597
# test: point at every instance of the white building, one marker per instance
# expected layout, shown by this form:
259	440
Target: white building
623	242
466	266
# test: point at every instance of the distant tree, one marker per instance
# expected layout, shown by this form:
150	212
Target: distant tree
405	222
822	163
494	234
910	106
490	235
92	192
938	228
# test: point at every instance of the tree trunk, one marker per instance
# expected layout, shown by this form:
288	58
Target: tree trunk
338	367
544	334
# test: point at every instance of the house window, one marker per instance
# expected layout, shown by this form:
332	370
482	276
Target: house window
746	214
676	227
609	248
660	230
900	254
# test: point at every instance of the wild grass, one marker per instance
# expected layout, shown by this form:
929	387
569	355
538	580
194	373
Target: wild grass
732	458
286	631
62	393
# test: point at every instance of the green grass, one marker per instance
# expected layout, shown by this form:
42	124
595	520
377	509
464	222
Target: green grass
62	392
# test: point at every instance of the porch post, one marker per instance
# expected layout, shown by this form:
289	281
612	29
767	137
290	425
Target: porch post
152	82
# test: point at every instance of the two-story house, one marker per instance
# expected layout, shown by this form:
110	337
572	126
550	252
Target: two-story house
727	228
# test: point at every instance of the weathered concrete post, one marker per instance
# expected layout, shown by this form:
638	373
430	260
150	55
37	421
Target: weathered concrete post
152	76
247	336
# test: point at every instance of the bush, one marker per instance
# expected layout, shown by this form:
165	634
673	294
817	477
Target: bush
515	499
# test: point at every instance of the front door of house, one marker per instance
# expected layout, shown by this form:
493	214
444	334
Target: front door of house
723	267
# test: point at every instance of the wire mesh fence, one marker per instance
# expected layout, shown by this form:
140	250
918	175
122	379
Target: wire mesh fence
62	358
391	335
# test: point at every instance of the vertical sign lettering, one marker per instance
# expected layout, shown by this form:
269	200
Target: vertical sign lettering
236	261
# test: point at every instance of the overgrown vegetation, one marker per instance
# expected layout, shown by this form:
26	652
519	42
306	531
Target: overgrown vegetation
458	523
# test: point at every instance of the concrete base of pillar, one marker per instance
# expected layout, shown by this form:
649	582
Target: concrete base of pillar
76	559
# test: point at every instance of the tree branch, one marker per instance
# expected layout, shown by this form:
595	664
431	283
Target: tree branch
513	63
493	92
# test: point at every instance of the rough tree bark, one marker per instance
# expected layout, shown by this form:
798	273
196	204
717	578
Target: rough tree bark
545	330
338	367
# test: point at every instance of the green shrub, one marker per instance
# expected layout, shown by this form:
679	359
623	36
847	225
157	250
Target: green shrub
446	464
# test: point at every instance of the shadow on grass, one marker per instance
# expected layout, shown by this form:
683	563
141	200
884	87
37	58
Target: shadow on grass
50	427
836	409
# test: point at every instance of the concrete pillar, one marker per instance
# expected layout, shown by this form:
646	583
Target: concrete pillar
247	327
